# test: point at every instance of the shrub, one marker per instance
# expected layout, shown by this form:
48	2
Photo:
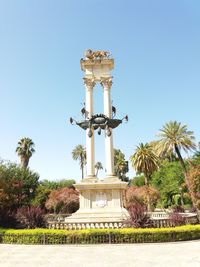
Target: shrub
192	209
139	195
30	217
178	208
177	219
64	200
95	236
7	218
139	216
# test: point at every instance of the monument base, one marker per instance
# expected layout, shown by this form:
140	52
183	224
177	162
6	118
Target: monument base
101	204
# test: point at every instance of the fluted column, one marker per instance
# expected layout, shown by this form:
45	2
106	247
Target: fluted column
89	84
106	84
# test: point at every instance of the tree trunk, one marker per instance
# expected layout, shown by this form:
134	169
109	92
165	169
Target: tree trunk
82	167
148	197
186	175
24	162
82	172
180	158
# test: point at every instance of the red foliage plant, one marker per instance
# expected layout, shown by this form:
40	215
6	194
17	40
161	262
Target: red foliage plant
7	218
63	200
194	179
138	195
30	217
138	216
177	219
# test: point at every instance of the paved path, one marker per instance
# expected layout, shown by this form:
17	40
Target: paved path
179	254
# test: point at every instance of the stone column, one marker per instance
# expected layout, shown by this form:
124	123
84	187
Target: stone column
107	83
89	84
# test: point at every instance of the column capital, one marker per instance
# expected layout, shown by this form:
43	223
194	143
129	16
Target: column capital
106	82
89	82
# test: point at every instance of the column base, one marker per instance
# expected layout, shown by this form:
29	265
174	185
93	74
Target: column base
90	179
111	178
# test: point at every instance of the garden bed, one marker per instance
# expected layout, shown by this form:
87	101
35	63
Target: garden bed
100	236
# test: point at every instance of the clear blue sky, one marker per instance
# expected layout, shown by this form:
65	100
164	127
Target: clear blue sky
156	47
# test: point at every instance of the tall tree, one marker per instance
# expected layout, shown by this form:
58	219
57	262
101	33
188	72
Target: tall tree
145	161
25	150
98	166
169	181
120	165
174	137
18	185
170	156
79	153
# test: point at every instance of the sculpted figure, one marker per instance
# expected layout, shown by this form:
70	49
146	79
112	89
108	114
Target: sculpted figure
96	54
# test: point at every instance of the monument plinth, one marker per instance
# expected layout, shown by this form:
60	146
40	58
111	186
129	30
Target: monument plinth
101	201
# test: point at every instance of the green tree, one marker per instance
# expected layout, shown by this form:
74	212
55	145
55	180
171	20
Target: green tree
56	184
98	166
174	137
138	180
120	165
41	196
169	181
79	153
25	150
18	185
145	161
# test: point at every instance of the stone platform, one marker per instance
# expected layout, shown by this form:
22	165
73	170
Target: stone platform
101	203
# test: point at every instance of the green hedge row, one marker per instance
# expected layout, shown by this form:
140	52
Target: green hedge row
99	236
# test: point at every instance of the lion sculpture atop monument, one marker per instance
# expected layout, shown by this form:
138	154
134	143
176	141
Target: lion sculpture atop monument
99	54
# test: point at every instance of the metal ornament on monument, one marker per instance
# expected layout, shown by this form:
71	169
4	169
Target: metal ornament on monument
101	201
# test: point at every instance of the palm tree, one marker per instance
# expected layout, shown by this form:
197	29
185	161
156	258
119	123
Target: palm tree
25	150
175	137
98	166
145	161
170	155
120	164
79	153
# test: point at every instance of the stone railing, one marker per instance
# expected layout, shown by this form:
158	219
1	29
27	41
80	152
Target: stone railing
158	220
159	215
85	225
56	217
162	219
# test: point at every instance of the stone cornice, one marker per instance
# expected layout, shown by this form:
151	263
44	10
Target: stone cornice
85	63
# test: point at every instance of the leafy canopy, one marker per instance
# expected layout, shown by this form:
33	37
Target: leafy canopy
174	135
144	160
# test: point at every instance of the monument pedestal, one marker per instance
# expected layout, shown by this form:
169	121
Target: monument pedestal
101	201
101	204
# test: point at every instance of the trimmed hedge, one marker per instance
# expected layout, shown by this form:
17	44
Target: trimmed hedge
99	236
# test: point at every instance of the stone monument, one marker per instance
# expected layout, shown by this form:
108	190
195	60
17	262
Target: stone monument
101	201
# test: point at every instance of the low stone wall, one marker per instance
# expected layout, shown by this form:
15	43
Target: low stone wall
158	219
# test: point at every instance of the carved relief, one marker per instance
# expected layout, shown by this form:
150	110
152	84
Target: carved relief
101	200
91	55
